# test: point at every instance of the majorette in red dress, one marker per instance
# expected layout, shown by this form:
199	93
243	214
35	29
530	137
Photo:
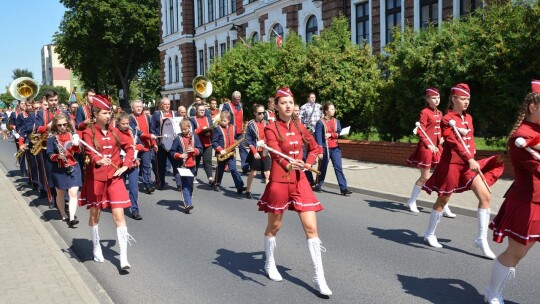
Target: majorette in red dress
452	174
422	157
519	216
289	190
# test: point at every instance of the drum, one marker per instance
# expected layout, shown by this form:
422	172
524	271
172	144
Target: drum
170	128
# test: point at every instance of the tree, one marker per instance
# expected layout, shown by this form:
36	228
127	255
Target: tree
335	69
490	50
17	73
63	94
106	42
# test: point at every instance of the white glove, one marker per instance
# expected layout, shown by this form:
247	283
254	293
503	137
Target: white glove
16	135
75	139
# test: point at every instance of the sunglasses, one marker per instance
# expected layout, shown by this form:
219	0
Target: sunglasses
63	125
260	113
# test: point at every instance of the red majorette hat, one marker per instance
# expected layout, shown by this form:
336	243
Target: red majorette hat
101	102
461	89
535	86
432	91
283	92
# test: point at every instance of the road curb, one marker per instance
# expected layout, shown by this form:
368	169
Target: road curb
54	244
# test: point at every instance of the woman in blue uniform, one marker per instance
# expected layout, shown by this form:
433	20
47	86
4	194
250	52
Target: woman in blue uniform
66	173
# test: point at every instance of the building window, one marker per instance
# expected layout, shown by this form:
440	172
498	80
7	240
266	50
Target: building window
210	10
429	13
199	12
171	16
254	37
170	70
176	69
251	1
277	29
233	6
311	28
222	8
201	62
362	23
222	49
393	17
466	7
211	54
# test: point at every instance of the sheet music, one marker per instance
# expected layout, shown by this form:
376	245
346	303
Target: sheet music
345	131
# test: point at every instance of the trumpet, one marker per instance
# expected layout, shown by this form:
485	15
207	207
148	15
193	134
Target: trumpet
21	151
230	150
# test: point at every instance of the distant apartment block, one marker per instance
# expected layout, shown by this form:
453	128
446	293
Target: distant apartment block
195	32
53	72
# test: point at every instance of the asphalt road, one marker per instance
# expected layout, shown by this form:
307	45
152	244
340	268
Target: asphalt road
374	252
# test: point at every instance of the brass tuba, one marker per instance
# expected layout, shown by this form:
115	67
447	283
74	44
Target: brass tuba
24	88
202	86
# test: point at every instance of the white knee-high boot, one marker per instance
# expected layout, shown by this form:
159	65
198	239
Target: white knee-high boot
123	239
429	236
447	212
270	263
412	200
481	238
315	249
98	254
500	276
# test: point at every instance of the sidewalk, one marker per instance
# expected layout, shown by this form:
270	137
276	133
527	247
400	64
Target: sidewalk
33	267
395	183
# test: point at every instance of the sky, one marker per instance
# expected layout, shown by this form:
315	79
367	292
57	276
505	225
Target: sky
25	27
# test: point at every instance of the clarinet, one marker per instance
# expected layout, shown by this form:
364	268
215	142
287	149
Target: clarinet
62	155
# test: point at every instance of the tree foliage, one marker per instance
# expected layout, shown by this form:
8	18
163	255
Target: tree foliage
492	51
332	67
21	73
63	94
106	42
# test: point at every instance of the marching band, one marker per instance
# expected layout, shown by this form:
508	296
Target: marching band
61	152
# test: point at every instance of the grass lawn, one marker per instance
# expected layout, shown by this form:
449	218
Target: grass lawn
481	143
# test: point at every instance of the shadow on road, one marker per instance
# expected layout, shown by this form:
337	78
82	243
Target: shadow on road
173	205
411	238
441	290
390	206
244	264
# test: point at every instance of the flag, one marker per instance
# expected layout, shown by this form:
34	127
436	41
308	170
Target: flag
279	39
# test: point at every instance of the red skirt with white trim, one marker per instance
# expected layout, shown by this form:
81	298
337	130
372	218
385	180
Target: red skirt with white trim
278	197
104	194
456	178
517	219
422	157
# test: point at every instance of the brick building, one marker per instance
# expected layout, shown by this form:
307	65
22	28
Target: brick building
195	32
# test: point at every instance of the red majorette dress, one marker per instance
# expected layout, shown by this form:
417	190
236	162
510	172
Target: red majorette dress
519	216
100	188
288	190
452	174
422	157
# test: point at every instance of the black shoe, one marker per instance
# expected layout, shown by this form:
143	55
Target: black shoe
42	194
346	192
239	191
52	206
216	188
248	195
136	216
189	208
147	190
20	187
72	223
152	189
317	189
35	187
